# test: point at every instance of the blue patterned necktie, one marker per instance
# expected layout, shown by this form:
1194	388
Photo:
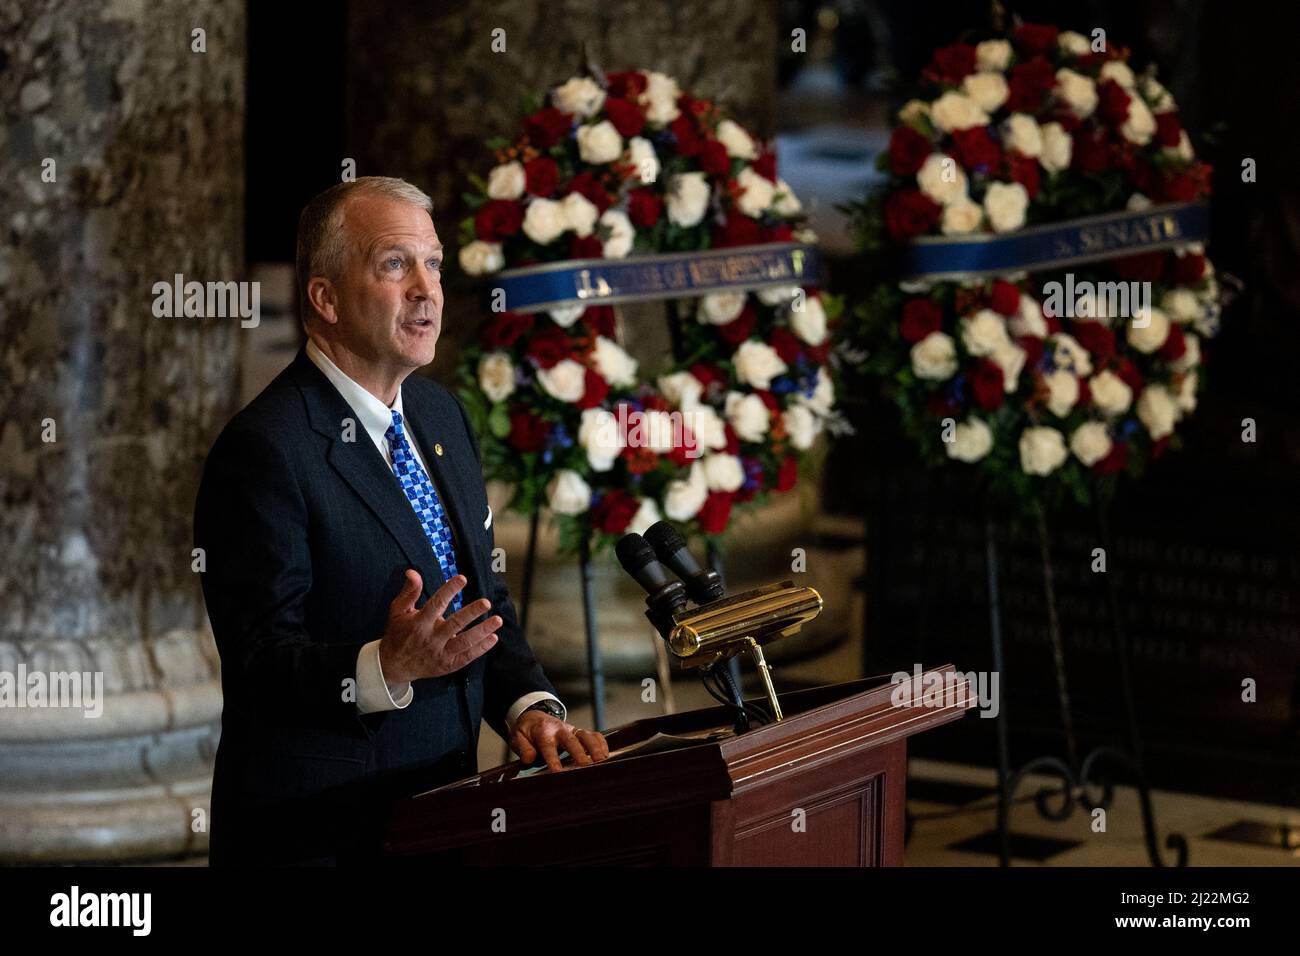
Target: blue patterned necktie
424	499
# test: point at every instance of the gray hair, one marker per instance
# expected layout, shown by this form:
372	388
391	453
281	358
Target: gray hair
322	244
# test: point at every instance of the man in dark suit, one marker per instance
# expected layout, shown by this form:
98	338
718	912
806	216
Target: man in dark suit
348	546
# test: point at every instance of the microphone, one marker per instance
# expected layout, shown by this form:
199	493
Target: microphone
703	586
664	596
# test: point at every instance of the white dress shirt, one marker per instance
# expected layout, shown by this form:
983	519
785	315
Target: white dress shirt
373	692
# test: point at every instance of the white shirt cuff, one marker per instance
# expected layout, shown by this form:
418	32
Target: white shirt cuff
523	703
373	692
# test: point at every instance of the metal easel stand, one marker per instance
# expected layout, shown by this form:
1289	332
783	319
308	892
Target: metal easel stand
1077	778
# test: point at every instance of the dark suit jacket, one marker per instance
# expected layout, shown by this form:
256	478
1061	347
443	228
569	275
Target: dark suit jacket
306	539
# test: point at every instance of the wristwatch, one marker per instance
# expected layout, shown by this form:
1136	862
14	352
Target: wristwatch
550	705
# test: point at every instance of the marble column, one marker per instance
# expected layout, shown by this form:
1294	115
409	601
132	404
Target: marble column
121	153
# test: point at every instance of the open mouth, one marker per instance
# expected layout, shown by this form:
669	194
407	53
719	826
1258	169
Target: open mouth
419	323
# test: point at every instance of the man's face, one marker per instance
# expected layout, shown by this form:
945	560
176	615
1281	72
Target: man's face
390	293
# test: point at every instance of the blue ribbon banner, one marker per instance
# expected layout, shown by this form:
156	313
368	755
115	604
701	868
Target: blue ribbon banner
1057	245
660	276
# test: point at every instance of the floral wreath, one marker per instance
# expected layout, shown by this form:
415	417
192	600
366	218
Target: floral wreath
610	167
1042	127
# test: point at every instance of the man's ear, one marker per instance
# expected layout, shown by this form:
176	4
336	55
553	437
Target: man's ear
323	298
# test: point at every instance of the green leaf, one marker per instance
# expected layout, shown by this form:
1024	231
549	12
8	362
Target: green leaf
499	420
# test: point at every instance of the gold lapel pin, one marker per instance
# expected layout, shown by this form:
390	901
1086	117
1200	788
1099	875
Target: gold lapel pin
437	448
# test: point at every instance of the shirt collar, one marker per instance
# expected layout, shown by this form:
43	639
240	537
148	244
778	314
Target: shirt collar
376	417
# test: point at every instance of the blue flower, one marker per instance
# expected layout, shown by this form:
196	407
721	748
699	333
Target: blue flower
782	386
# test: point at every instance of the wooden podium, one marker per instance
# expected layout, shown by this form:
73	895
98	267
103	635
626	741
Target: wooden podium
686	790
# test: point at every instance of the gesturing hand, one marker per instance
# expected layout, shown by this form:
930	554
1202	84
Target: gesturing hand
423	643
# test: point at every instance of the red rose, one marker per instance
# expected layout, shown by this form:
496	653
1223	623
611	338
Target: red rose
907	151
643	208
1129	375
714	159
768	399
1096	338
688	138
951	63
1021	169
1142	267
781	232
586	247
1085	394
738	230
1112	103
1033	347
548	346
1187	269
787	474
910	213
527	431
1168	129
988	384
628	118
1113	462
765	165
739	328
615	511
545	127
1004	298
921	316
1136	168
974	148
708	374
1091	154
541	176
1175	345
818	354
1035	39
498	218
1028	85
940	405
504	330
626	84
595	388
600	319
786	344
733	441
588	185
716	512
1177	187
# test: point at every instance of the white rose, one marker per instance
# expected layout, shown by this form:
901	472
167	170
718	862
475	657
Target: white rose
983	332
1005	204
941	178
934	357
748	416
809	323
1160	99
579	96
801	425
1110	393
1028	319
823	397
988	90
1058	148
599	143
646	515
598	434
913	111
496	375
723	472
757	363
758	192
506	181
709	430
1062	392
777	294
565	315
1186	398
1183	150
580	213
658	431
961	217
641	155
993	55
1157	411
660	99
1090	443
738	142
1182	305
1077	91
688	199
957	111
719	308
1068	354
565	381
682	390
613	363
684	498
568	494
1075	44
1042	450
1011	359
971	441
544	220
1140	125
1149	336
621	234
1020	132
479	257
786	203
1191	357
1120	72
1138	202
